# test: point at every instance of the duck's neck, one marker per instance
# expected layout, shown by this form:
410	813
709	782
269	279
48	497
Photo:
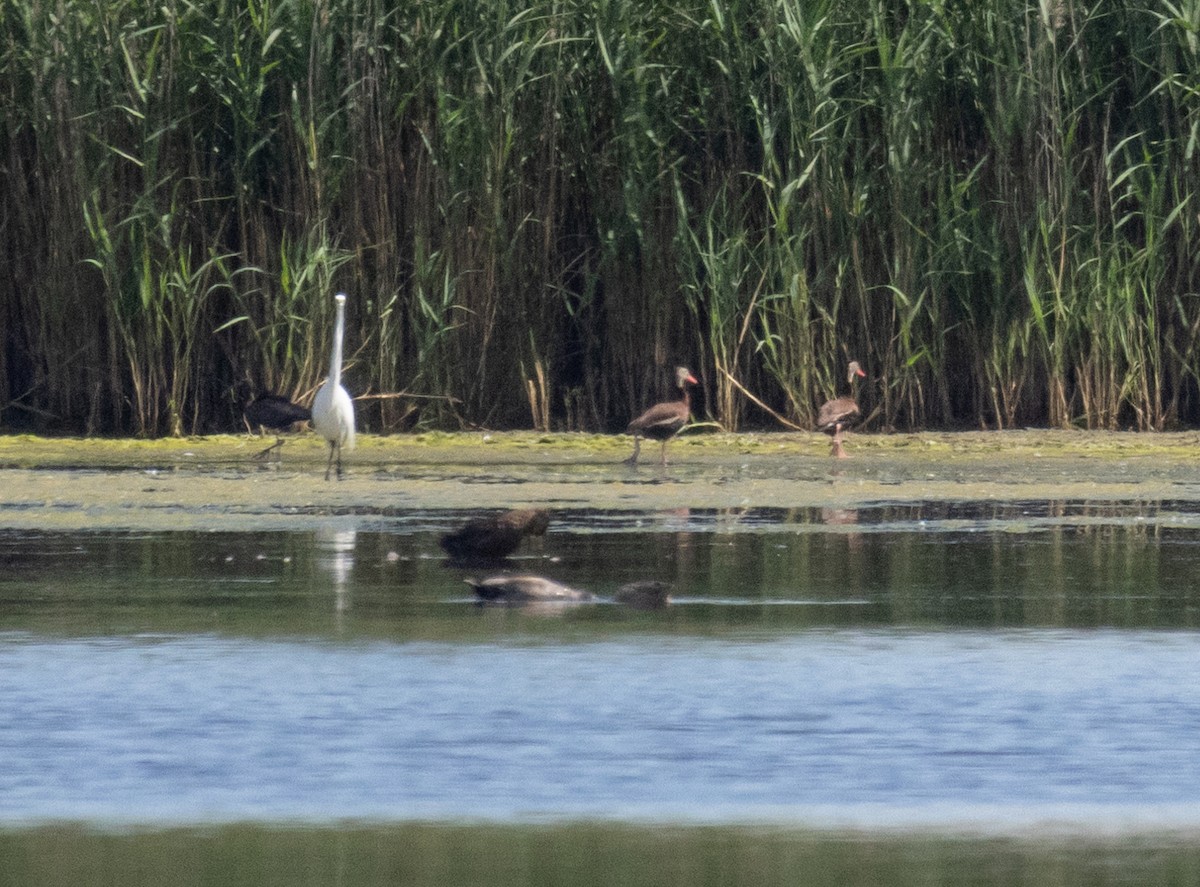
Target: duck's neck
685	396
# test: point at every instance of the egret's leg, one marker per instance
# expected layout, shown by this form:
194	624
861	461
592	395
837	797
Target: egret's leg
329	464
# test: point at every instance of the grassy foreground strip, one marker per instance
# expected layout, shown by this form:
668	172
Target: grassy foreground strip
585	854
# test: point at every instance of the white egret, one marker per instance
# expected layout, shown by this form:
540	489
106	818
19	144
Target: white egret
333	411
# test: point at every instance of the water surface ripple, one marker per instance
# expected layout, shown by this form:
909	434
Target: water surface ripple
860	727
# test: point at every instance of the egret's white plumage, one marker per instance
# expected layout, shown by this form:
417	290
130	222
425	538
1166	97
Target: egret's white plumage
332	410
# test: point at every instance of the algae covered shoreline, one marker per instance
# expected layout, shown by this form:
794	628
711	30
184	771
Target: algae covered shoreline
34	451
216	482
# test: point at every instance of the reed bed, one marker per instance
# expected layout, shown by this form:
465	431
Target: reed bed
539	208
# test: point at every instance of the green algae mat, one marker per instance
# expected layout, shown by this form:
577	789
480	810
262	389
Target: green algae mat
221	482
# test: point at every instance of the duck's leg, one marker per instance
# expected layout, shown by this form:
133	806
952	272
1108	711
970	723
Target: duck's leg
838	450
271	449
637	446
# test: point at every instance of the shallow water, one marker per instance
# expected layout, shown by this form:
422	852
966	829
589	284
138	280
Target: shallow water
921	664
996	669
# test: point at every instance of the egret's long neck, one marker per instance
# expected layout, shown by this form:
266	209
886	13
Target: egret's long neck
335	359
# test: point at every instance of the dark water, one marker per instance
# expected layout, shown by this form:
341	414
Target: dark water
1001	671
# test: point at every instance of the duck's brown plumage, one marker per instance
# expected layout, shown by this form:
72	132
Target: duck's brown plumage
663	420
835	412
495	537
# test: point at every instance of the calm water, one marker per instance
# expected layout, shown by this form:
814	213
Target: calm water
973	667
839	727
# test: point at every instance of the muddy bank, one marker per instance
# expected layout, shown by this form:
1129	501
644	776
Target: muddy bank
216	483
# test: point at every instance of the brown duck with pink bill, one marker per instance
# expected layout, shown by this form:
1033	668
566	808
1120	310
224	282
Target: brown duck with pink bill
836	415
663	420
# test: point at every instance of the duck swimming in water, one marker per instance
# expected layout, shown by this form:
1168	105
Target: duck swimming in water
528	588
522	589
495	538
647	594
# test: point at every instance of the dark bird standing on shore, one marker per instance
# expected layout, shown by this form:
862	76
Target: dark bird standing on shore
494	538
835	415
270	411
663	420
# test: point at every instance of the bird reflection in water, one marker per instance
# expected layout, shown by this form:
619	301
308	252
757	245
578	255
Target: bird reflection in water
335	555
839	516
844	517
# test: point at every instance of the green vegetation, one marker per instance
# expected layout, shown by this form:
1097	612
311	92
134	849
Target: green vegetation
584	854
538	208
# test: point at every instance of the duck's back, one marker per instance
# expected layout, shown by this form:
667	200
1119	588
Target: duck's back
660	421
274	411
837	411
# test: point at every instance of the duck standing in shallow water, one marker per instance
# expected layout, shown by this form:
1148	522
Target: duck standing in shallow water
663	420
495	538
835	415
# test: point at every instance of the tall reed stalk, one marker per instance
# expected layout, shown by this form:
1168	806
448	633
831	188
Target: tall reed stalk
540	207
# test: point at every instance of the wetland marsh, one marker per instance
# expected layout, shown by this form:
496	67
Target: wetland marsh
976	653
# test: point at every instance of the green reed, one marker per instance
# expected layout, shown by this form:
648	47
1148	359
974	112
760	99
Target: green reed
540	207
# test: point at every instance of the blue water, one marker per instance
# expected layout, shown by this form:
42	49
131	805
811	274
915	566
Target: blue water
967	667
865	727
